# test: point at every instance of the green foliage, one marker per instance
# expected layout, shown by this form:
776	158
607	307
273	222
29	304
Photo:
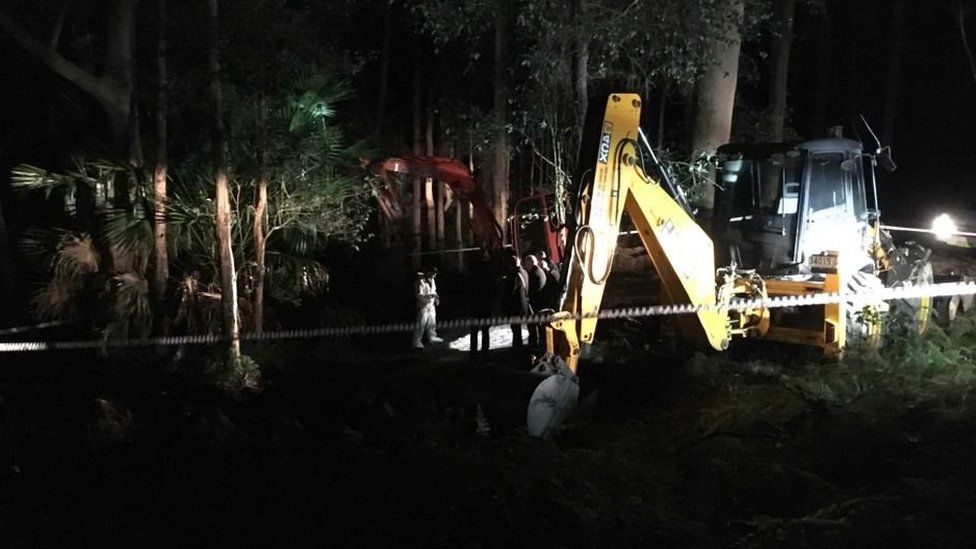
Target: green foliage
937	366
693	176
232	376
313	197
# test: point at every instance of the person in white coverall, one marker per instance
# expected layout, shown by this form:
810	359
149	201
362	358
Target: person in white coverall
427	301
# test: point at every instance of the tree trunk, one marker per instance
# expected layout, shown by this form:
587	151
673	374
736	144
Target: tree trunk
961	23
662	110
783	14
438	196
715	97
120	67
430	192
59	25
260	248
260	213
581	59
824	57
893	77
160	251
458	231
415	180
468	208
500	151
113	90
384	73
228	276
7	279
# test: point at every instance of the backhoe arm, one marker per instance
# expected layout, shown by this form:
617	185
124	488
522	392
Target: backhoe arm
679	249
452	173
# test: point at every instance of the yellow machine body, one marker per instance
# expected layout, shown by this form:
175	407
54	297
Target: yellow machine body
681	253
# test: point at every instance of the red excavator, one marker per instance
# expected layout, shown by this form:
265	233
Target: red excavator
533	224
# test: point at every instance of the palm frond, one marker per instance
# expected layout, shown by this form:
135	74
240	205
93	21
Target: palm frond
313	99
76	257
130	298
129	231
42	244
291	277
26	177
73	262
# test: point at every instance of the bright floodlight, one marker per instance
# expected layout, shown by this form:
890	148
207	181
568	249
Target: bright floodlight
943	227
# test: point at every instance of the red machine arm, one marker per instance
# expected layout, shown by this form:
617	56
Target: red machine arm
452	173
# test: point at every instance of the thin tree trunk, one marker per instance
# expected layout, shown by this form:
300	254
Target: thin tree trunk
715	97
893	87
386	227
500	152
823	86
468	208
429	215
431	193
59	25
260	250
384	73
581	59
415	180
160	251
438	196
384	224
662	110
228	276
961	22
120	67
458	231
456	198
783	14
7	279
260	213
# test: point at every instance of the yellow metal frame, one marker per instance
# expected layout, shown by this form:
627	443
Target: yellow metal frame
680	250
682	254
832	337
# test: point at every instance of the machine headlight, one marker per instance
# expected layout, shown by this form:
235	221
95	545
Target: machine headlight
944	227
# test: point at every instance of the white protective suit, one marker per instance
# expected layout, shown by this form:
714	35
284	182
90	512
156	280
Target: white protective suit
427	300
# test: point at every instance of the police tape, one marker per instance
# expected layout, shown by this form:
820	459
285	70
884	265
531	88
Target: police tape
34	327
854	299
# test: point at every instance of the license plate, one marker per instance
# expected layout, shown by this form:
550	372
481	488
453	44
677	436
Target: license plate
827	262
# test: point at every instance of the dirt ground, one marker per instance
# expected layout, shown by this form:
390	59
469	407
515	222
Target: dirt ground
358	443
427	450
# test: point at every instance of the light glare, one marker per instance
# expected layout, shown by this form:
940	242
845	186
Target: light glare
943	227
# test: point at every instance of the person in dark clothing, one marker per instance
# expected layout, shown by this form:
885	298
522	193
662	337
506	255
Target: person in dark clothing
483	287
537	295
514	295
553	281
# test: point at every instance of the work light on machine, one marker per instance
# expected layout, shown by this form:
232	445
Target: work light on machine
943	227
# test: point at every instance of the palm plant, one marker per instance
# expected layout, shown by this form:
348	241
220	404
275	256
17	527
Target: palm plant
312	198
96	270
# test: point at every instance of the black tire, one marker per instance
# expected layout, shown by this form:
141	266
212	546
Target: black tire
910	266
864	323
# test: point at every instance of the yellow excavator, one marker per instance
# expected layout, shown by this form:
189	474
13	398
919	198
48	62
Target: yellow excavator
790	220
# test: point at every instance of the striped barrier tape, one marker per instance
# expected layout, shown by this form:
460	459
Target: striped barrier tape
860	298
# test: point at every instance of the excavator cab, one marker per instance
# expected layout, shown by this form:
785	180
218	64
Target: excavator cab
782	205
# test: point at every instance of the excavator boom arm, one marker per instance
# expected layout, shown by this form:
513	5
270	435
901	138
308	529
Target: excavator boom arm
679	249
452	173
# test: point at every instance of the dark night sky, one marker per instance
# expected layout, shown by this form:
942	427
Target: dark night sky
935	138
